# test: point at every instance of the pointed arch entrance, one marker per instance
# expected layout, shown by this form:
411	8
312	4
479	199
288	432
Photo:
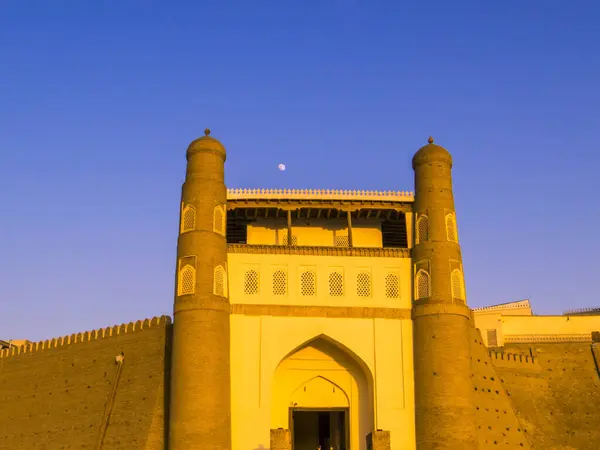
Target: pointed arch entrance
323	393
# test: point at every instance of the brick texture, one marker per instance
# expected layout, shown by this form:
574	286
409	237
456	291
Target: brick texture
200	398
559	405
55	399
444	412
538	396
497	423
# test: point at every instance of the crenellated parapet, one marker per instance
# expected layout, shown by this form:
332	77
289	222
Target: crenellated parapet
515	357
504	306
553	338
86	336
306	194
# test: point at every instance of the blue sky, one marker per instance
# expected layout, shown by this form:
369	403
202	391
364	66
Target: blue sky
98	101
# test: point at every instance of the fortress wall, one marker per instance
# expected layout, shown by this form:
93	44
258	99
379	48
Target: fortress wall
559	404
497	424
53	394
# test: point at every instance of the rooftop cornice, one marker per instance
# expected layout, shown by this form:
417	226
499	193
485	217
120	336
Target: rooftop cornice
320	251
319	194
511	305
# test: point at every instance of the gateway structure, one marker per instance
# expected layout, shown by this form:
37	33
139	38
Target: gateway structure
304	319
327	306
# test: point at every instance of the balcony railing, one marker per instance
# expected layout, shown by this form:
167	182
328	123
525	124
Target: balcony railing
388	252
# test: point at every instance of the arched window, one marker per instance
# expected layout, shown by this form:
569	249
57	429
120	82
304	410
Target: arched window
308	284
188	218
422	284
363	284
392	288
422	229
251	282
219	220
220	282
451	228
279	282
458	291
336	284
187	280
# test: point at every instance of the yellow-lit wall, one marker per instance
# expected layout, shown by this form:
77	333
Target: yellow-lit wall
260	344
314	232
511	328
324	375
487	322
549	325
294	265
490	319
371	358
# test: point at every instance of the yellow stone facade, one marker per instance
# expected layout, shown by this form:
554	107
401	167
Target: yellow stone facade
315	328
307	319
515	323
319	289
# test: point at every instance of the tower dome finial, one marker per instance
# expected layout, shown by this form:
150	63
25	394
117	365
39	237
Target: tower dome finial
430	140
206	143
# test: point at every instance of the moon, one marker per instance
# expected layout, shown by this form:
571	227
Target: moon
281	167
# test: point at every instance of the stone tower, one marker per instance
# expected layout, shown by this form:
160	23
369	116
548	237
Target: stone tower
441	319
200	411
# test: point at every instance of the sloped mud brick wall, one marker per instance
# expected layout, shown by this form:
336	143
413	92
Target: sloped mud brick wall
559	404
497	423
54	394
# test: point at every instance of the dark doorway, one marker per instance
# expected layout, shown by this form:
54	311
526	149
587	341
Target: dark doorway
314	428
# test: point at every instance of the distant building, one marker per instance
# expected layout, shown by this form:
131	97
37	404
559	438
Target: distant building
583	312
306	318
515	322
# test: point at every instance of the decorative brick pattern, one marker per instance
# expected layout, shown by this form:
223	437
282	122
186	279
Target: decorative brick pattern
307	194
308	283
187	280
188	218
457	285
279	282
422	229
451	234
284	240
220	282
363	284
219	223
336	284
392	286
251	282
342	241
422	284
